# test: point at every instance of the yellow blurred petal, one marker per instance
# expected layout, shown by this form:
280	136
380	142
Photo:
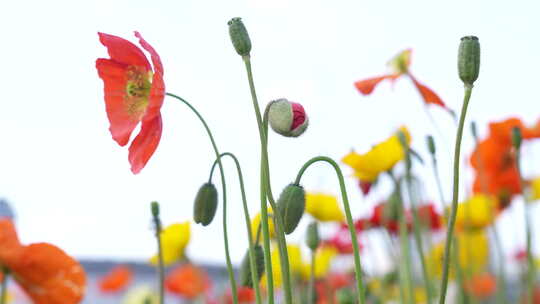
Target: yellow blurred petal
256	221
141	295
381	158
295	264
535	189
324	207
323	260
477	212
174	240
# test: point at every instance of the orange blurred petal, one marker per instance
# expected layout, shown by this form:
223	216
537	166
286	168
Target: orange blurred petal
429	96
367	86
116	280
49	275
187	281
481	286
9	242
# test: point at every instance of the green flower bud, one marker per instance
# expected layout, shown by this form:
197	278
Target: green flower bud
239	36
431	144
245	267
204	208
287	118
469	60
345	296
291	205
312	236
154	207
516	137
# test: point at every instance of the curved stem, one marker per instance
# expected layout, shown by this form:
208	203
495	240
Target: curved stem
252	262
224	189
3	287
455	195
350	224
266	193
531	271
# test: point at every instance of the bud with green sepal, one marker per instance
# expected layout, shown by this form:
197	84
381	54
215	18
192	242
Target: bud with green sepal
287	118
245	267
204	208
239	36
291	205
312	236
469	60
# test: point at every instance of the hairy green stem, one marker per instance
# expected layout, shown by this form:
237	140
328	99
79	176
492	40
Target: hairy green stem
455	195
230	269
252	262
350	223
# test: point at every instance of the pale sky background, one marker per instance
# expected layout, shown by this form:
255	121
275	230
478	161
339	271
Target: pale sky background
71	185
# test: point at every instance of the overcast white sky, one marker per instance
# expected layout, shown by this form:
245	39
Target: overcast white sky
71	185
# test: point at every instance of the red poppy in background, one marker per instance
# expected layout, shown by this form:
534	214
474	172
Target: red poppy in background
116	280
342	241
245	295
134	93
482	286
45	272
494	160
188	281
400	66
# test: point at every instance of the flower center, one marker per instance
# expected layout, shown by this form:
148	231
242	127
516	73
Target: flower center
138	86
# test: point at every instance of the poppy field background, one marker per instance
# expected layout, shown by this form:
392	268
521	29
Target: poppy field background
70	184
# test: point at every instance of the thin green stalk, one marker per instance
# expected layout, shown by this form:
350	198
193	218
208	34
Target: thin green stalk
230	270
311	289
3	287
531	271
252	262
350	223
161	266
416	228
455	195
284	259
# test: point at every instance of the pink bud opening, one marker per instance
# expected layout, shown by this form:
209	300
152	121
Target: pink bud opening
299	115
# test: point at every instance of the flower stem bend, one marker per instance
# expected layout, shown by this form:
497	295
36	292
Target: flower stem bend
455	195
350	224
224	189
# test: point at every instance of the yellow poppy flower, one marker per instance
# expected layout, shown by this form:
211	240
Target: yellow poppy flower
381	158
535	189
323	260
256	221
174	239
295	264
473	253
324	207
477	212
141	295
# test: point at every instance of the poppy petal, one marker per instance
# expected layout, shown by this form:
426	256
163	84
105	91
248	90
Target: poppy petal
145	144
429	96
367	86
156	60
116	280
49	275
123	51
9	242
114	76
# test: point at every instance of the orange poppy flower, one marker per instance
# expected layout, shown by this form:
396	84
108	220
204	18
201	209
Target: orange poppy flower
245	295
494	160
116	280
134	94
400	67
188	281
481	286
45	272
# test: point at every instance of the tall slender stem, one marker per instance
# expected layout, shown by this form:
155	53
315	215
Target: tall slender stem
311	289
3	287
350	223
531	271
265	193
224	189
455	195
161	265
252	262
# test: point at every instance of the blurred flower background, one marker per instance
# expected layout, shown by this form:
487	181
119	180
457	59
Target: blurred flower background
70	185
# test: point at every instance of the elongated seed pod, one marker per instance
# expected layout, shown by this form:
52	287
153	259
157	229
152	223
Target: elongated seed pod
469	59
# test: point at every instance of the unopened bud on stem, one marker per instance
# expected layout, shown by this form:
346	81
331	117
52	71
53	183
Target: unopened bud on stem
469	60
239	36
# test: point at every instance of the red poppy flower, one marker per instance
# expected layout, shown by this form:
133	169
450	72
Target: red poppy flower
134	94
116	280
188	281
482	286
45	272
494	160
342	241
400	65
245	295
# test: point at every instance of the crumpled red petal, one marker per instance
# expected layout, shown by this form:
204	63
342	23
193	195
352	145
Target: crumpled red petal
145	144
123	51
429	96
367	86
